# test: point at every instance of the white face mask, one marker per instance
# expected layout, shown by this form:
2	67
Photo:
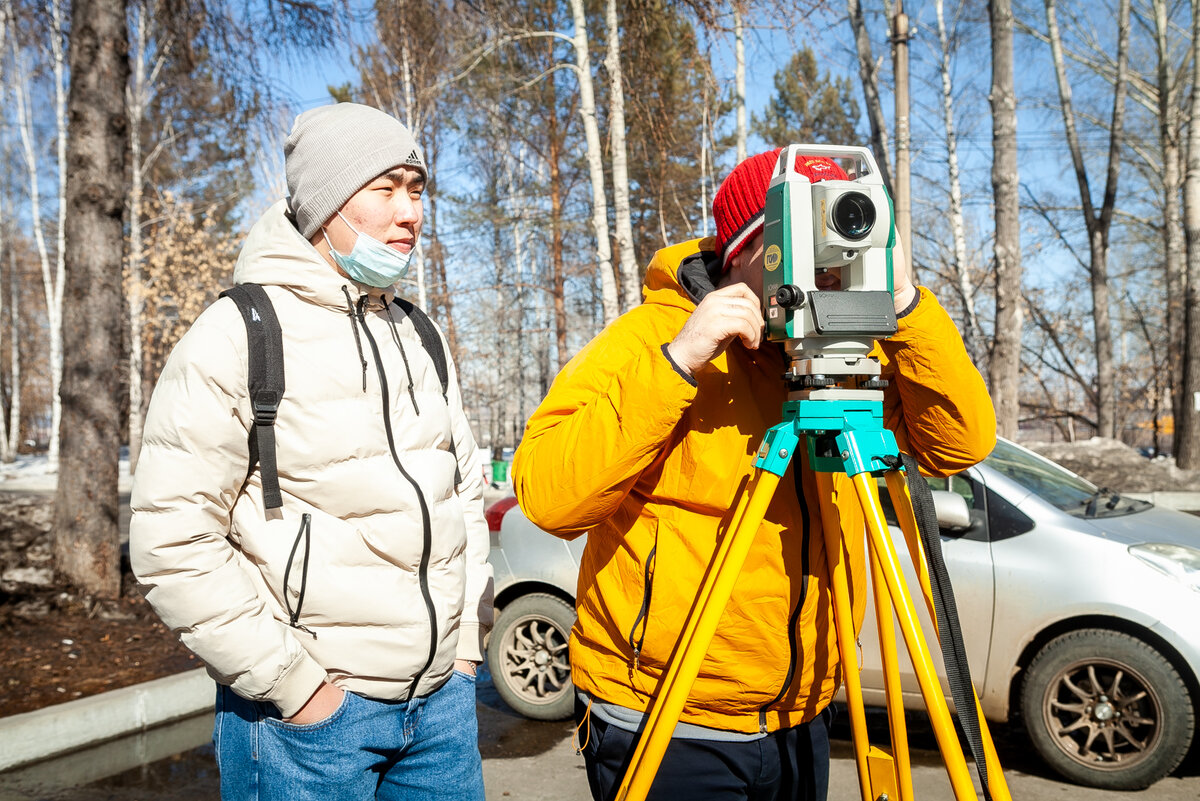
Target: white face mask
370	261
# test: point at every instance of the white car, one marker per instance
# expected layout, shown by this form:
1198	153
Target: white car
1080	611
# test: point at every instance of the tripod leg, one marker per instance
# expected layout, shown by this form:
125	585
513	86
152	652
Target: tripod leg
835	555
698	632
918	651
897	726
902	503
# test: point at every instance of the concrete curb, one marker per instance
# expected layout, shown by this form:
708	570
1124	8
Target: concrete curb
59	729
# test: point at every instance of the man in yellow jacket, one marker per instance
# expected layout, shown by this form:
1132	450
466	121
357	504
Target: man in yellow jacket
645	441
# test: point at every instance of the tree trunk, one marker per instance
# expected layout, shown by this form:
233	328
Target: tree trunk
410	120
595	161
739	50
960	268
14	409
1173	236
1187	427
60	124
1004	369
136	98
1106	406
7	449
705	163
870	83
630	280
513	383
903	187
86	538
437	257
50	283
557	280
1098	222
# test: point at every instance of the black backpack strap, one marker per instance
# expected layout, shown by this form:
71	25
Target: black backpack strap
954	652
264	340
431	341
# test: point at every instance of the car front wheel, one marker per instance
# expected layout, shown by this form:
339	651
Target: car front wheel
1106	710
527	656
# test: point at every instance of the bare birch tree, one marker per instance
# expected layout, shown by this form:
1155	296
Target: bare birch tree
14	410
1004	366
630	280
52	278
959	268
8	449
1187	428
739	54
1170	118
870	81
1097	221
60	127
595	161
146	65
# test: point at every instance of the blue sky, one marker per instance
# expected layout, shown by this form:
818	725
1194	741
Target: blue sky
1043	164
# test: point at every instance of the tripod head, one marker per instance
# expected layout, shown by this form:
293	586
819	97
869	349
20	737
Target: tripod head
843	225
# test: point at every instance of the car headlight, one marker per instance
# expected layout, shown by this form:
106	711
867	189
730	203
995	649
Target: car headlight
1178	561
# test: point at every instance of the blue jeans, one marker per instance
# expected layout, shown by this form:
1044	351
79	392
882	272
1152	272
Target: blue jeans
427	748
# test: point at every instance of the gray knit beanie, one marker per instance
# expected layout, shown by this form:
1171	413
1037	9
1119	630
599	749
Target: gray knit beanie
333	151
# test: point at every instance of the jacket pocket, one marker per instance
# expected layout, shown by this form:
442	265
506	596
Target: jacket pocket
303	534
637	632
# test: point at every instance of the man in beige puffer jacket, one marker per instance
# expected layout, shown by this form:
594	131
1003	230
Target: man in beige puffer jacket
343	629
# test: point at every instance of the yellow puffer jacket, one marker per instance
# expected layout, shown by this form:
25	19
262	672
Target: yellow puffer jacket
626	449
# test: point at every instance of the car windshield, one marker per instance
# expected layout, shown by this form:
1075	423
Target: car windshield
1058	487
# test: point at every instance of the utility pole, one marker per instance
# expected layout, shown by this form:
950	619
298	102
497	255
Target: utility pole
903	198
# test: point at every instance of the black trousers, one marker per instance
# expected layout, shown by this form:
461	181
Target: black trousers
787	765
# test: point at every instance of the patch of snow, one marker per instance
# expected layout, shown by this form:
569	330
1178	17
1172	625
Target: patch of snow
32	472
1115	465
40	576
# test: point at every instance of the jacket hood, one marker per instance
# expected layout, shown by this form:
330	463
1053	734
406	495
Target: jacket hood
276	254
681	275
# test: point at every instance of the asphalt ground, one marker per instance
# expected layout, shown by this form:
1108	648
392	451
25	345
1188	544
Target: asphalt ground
528	760
537	762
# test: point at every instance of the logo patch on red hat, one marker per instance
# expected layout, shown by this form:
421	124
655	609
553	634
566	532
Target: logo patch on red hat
819	168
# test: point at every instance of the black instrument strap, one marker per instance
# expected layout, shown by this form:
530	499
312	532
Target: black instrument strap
954	653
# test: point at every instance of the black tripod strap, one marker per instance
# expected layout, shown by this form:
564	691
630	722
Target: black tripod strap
954	653
264	340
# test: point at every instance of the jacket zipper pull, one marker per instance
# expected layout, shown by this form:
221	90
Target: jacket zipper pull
637	655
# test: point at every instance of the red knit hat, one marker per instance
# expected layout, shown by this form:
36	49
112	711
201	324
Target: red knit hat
739	203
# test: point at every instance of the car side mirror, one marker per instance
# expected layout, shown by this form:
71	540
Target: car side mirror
952	511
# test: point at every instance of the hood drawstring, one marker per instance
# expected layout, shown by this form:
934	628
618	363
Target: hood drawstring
396	338
357	338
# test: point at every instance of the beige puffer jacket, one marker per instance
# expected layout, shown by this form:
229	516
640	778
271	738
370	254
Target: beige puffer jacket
389	580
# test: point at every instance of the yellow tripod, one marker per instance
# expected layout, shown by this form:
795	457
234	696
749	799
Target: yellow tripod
843	436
